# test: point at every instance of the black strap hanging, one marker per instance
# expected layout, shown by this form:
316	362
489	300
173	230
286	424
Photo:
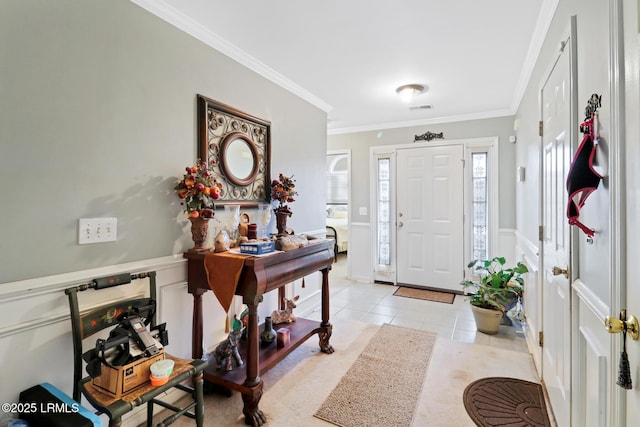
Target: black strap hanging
624	370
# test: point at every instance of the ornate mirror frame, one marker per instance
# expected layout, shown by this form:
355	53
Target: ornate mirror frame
219	126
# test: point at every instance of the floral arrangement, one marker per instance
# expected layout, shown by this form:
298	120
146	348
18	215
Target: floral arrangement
282	190
197	189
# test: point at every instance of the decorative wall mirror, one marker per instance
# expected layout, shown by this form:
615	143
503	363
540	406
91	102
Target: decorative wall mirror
239	145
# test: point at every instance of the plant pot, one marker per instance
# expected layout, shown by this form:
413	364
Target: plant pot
487	320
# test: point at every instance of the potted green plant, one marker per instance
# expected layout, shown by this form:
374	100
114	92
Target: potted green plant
494	288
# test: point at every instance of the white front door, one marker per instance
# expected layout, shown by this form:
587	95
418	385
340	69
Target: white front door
556	293
430	213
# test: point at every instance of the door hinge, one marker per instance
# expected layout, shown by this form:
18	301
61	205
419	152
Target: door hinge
540	128
541	338
541	233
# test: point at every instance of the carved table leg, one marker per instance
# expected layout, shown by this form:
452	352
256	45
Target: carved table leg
196	325
325	334
252	415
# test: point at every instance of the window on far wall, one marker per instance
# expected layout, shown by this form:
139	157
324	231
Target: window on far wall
337	179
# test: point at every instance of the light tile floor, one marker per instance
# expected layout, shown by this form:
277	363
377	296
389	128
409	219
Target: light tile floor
375	303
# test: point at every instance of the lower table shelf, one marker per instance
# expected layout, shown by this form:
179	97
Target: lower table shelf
301	330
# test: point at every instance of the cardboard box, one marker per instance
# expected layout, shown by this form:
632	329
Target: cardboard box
257	248
124	379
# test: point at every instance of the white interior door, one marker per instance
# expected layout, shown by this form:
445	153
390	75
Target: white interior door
632	155
430	213
556	293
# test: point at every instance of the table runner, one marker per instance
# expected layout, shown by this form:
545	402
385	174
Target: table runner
223	272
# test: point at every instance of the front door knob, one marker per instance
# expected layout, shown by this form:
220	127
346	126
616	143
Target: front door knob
558	271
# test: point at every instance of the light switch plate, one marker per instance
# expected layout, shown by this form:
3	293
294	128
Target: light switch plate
97	230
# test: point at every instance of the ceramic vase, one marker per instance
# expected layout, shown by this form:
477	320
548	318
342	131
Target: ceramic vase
268	335
199	231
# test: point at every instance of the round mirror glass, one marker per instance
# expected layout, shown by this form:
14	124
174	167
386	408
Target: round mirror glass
239	159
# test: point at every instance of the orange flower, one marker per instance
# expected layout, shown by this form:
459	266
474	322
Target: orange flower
195	189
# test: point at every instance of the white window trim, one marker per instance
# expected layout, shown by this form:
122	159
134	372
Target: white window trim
490	147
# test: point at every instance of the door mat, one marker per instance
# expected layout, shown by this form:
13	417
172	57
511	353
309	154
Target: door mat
499	401
382	386
425	294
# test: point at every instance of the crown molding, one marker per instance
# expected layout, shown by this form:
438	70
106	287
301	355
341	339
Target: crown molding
179	20
545	17
431	121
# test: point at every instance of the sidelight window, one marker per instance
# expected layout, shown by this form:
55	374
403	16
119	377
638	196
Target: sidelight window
479	205
384	212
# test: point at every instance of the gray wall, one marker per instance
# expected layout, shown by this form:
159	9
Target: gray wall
97	118
592	77
359	143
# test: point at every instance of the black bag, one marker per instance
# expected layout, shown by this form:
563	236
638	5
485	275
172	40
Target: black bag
46	406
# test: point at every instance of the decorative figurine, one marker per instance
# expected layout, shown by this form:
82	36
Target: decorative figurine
222	242
227	350
286	315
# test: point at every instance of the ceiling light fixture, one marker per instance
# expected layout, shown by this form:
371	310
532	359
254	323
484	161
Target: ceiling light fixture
407	92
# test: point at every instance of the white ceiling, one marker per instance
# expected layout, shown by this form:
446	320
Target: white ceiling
347	57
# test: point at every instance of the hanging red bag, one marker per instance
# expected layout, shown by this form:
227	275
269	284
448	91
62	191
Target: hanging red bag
582	179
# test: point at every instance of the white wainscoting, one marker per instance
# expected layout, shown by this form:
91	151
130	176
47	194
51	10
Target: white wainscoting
528	253
360	260
307	289
360	265
35	330
506	244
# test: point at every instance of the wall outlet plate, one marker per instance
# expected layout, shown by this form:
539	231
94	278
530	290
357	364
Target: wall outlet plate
97	230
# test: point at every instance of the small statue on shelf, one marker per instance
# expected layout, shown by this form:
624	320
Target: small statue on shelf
286	315
227	350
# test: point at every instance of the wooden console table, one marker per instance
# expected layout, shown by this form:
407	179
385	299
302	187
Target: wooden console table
259	275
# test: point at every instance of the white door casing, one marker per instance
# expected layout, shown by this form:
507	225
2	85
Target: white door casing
629	401
430	215
555	102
